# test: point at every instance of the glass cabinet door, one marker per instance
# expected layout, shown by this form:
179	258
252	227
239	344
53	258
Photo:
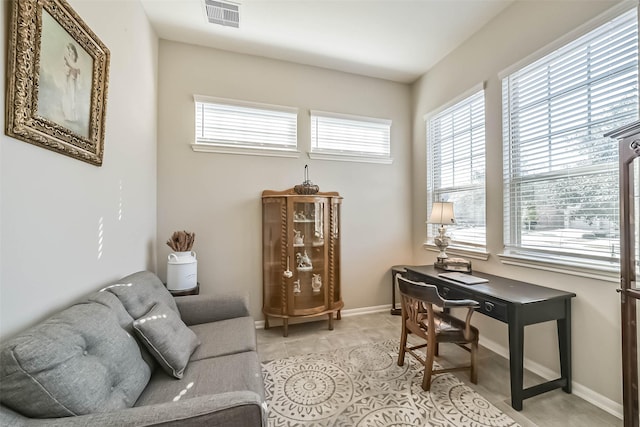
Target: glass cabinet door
274	254
308	285
635	166
635	263
335	253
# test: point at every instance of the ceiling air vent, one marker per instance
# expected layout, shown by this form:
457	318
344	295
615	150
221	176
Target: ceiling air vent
223	13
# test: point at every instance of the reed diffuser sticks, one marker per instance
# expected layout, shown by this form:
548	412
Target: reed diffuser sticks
181	241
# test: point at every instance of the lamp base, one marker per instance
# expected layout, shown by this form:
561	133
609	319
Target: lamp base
442	243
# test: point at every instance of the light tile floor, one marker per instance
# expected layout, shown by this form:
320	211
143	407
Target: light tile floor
552	409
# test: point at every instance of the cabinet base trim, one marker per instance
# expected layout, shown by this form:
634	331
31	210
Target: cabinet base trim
344	313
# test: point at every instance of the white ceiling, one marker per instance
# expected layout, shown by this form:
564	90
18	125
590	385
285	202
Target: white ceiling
391	39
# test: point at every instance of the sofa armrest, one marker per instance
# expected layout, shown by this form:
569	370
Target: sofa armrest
233	409
197	309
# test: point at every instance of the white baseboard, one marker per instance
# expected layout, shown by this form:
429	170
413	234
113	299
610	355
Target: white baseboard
596	399
344	313
365	310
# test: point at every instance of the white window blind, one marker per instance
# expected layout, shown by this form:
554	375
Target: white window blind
560	173
352	137
243	125
456	168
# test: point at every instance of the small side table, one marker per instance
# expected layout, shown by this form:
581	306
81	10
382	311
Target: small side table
394	271
181	293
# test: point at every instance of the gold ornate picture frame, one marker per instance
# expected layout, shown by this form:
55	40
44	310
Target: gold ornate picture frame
57	82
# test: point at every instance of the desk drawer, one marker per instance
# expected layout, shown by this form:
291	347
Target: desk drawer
492	308
488	307
447	292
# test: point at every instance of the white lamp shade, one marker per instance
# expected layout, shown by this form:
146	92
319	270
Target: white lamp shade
442	213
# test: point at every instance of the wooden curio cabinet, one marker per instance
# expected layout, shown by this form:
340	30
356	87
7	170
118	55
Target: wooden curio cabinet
301	255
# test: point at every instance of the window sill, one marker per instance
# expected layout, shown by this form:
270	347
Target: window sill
267	152
460	251
350	158
575	267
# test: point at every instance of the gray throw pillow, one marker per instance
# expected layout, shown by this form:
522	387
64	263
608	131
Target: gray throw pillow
168	339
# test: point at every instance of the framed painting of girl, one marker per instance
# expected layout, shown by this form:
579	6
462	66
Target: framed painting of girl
58	78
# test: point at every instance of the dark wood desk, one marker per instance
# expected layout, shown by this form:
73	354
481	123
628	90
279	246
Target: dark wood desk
518	304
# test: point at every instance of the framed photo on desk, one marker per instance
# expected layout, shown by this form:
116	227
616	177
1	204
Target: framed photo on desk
454	264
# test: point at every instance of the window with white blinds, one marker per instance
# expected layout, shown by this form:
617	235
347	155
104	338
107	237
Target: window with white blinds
242	127
456	168
560	173
345	137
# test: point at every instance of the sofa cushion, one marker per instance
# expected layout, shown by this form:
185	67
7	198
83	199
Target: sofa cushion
124	319
224	337
114	304
140	291
78	361
237	372
168	339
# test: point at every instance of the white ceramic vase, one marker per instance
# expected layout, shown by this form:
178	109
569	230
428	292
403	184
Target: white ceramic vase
182	271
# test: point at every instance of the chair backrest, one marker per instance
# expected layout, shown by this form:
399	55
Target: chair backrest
418	297
419	290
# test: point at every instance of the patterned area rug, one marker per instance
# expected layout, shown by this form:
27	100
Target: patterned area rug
364	386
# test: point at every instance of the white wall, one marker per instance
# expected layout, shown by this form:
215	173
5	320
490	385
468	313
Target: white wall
68	227
518	32
218	196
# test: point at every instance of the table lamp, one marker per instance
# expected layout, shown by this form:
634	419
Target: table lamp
442	213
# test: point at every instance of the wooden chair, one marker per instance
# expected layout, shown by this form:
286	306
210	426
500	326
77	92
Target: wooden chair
420	318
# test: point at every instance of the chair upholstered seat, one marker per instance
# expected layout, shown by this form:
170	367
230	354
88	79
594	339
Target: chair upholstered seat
419	317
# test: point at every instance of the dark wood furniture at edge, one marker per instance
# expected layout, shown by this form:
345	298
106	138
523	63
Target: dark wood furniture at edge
629	153
518	304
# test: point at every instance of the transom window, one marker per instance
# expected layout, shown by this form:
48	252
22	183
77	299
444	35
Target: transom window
456	167
560	173
345	137
241	127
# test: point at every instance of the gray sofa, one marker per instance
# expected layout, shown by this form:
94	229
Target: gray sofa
124	357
